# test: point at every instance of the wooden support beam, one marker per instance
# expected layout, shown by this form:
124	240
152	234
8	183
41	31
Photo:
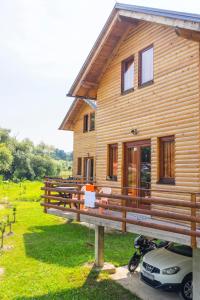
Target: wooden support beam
148	224
159	19
99	246
188	34
89	84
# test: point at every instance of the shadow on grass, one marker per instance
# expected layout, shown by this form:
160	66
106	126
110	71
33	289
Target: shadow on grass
67	245
93	288
63	244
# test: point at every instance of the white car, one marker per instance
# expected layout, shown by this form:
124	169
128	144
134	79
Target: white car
169	268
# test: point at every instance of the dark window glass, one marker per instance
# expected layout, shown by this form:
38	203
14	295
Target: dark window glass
92	121
167	160
113	161
146	66
85	123
79	166
127	75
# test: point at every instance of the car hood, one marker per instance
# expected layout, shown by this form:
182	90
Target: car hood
163	258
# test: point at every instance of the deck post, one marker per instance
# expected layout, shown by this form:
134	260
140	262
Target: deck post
193	224
196	273
99	246
79	205
46	194
124	203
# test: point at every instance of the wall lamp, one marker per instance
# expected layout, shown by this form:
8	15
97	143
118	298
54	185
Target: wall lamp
134	131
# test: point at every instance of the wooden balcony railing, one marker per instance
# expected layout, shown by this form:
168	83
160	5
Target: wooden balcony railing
58	194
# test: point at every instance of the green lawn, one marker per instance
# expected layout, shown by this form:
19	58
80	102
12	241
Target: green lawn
26	190
48	257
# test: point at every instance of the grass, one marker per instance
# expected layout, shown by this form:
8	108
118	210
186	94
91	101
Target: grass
26	190
48	257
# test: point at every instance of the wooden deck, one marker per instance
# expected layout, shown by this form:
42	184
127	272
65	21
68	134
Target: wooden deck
179	223
160	234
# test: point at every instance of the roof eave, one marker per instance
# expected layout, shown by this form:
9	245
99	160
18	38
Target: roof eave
165	17
66	123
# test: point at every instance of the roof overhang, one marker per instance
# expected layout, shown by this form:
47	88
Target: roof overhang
122	18
70	118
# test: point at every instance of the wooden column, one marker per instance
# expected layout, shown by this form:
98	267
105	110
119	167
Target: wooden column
99	246
196	273
124	216
46	194
193	224
79	205
123	203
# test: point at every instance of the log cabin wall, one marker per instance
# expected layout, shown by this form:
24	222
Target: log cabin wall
170	106
84	142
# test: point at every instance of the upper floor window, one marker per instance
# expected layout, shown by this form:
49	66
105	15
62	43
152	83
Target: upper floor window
85	123
92	121
112	161
89	122
127	75
146	66
167	159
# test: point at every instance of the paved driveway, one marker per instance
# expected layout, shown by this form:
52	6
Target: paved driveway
137	287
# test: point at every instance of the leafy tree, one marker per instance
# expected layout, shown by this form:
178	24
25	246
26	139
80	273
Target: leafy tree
22	168
6	158
44	149
44	166
69	156
4	135
59	154
23	160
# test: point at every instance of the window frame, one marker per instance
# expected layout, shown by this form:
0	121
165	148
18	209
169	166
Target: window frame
147	83
162	179
92	113
110	175
79	170
123	63
84	123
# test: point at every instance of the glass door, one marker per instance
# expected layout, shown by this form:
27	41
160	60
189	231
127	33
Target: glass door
137	169
88	168
145	171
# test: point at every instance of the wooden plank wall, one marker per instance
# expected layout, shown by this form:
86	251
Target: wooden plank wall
84	143
168	107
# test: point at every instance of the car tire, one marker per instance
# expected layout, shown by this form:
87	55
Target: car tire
186	287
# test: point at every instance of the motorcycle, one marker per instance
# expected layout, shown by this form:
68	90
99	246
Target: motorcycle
143	245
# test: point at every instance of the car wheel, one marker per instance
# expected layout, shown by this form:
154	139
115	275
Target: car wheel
186	287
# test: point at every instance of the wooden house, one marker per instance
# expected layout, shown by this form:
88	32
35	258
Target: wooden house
81	120
143	74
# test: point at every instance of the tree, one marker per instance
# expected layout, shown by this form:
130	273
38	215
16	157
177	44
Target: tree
59	154
6	159
22	168
23	160
4	135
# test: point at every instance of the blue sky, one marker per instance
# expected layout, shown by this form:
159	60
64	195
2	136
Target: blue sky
43	44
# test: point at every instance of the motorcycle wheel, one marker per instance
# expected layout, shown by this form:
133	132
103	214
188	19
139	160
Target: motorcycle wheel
134	263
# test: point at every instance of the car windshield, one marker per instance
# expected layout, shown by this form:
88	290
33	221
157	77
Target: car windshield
180	249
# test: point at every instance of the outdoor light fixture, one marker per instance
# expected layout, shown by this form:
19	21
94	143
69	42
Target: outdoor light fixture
134	131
